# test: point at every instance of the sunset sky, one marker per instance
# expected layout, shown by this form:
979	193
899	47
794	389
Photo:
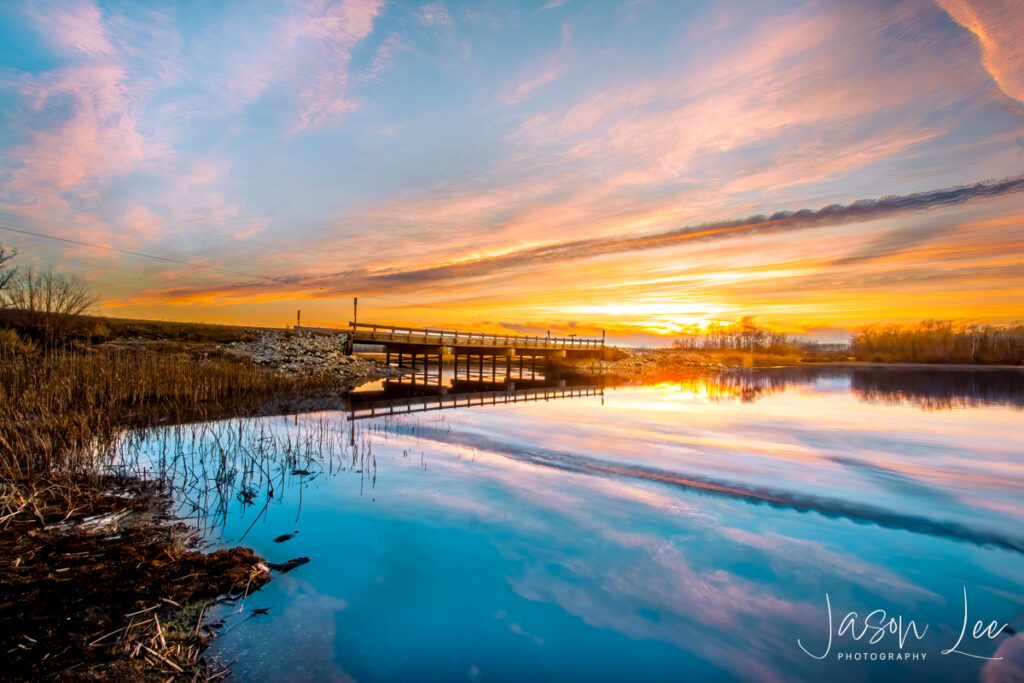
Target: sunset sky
639	166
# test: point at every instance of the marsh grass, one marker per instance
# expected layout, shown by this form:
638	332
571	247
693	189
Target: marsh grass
59	410
250	463
67	416
59	329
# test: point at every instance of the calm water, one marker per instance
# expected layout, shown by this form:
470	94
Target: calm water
688	530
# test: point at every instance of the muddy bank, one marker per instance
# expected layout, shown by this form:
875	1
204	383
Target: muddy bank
100	583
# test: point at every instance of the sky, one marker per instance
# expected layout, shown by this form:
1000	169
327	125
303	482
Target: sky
643	167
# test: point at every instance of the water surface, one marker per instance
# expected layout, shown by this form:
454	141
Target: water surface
685	530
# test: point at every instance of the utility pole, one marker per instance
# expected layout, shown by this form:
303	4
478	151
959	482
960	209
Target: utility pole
298	318
355	309
602	337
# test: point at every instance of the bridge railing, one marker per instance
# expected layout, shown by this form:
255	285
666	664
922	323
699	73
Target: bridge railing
426	335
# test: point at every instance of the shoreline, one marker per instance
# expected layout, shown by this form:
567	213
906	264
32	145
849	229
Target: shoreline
101	578
116	587
909	365
648	362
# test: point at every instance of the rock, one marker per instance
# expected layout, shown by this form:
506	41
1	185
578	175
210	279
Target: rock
296	353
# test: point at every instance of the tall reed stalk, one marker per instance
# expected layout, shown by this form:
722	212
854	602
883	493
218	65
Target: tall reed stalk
58	409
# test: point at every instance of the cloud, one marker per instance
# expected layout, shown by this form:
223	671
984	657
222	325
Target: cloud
62	167
834	214
324	36
562	253
999	28
142	222
75	27
434	14
554	3
552	69
385	56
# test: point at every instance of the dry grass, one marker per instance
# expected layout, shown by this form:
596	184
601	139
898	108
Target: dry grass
59	409
74	591
97	328
98	586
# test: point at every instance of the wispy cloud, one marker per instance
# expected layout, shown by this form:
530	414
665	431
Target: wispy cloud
97	138
324	36
74	26
434	14
860	211
554	65
608	160
999	28
562	253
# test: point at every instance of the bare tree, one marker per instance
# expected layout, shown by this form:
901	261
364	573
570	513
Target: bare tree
6	272
46	291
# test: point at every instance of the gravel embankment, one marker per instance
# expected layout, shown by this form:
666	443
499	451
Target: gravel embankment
296	353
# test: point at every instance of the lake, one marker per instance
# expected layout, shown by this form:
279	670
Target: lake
688	529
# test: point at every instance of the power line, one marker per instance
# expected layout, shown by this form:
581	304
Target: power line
193	264
165	259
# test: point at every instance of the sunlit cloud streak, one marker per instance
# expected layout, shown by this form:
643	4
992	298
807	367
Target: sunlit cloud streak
836	214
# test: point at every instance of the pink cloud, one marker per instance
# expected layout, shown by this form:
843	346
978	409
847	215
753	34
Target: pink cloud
75	27
999	28
385	56
434	13
98	138
324	35
554	66
142	222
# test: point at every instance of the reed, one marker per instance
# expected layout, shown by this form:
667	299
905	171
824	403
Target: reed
60	410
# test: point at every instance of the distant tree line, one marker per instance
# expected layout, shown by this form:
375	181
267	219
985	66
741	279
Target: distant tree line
742	336
930	341
934	341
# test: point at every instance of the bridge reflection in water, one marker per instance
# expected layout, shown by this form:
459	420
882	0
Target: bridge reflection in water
404	397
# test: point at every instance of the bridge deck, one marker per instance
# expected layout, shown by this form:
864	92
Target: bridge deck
371	333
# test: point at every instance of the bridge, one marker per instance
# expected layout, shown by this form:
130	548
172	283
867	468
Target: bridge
477	355
396	399
416	339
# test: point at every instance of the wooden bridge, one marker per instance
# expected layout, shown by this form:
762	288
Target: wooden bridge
505	355
364	405
404	338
